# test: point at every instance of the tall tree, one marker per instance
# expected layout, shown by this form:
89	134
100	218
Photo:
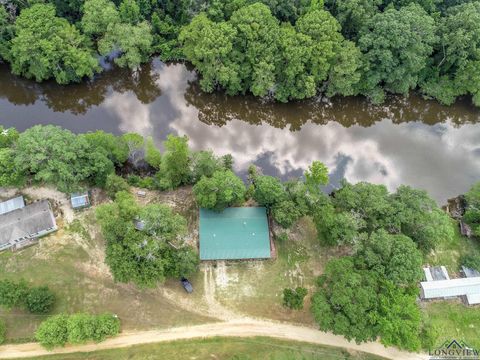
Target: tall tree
6	34
134	43
456	67
175	166
221	190
396	46
324	30
208	46
419	217
347	301
97	16
294	80
57	156
394	257
353	15
255	47
268	190
46	47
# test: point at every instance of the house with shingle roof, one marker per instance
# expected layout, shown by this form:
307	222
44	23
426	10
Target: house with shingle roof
25	224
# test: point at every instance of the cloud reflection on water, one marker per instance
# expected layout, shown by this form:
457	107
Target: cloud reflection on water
409	141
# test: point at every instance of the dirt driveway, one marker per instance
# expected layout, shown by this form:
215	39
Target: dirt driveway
234	328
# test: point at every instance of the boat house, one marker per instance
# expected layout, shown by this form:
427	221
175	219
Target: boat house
234	233
22	225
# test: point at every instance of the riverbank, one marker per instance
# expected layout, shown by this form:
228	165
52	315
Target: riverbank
406	140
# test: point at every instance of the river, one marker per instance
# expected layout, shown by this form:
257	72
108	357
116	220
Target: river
405	141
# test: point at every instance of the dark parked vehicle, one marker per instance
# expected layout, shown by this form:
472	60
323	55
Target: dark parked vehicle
187	285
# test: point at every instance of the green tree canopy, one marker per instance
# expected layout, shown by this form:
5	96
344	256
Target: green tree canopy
115	147
162	223
208	45
129	12
133	42
175	166
420	218
347	303
268	190
472	213
205	163
324	30
10	175
396	46
149	255
456	68
57	156
337	228
40	300
255	47
393	257
6	34
369	202
221	190
46	47
286	213
97	16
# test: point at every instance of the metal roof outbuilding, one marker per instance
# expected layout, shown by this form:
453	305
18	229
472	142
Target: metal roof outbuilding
80	200
234	233
450	288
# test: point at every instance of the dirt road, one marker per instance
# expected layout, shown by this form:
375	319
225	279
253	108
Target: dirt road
240	328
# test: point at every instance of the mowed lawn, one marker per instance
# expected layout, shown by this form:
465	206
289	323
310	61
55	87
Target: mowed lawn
453	319
71	263
255	288
259	348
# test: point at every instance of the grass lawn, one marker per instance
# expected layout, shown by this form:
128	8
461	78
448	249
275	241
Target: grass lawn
220	349
448	253
454	320
71	263
255	288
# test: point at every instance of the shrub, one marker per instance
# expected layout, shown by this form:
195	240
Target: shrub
471	261
286	213
115	184
147	183
268	190
293	298
106	325
81	328
53	332
282	237
3	331
12	293
133	180
40	300
76	329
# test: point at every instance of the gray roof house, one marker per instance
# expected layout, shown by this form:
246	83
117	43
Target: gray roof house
24	224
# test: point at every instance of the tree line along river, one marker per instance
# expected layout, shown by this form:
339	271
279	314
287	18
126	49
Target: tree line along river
406	140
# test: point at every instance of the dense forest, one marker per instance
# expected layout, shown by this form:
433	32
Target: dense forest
280	49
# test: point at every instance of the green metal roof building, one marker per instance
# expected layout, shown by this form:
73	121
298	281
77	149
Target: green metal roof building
234	233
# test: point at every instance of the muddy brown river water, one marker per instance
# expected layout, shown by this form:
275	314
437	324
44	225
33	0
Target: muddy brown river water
406	140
